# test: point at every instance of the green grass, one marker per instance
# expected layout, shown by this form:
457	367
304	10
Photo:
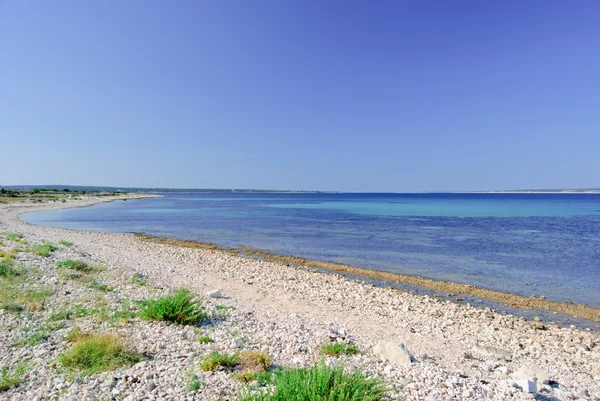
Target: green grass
15	237
10	379
16	297
11	306
338	349
179	308
216	360
65	243
205	340
77	265
139	279
7	268
77	312
194	384
319	383
100	287
33	339
94	353
43	249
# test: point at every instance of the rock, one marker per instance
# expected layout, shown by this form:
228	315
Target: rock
493	352
526	372
527	386
392	352
214	294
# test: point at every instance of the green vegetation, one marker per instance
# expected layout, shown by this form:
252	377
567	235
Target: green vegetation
216	360
10	379
14	237
338	349
9	254
77	312
14	297
7	268
205	340
93	353
252	364
319	383
194	384
249	364
179	308
139	278
65	243
100	287
43	249
77	265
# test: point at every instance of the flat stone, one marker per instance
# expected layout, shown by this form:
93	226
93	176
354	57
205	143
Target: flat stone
392	352
214	294
487	350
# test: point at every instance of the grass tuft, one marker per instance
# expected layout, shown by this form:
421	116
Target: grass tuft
65	243
94	353
12	379
194	384
139	278
205	340
43	249
7	268
77	265
179	308
338	349
319	383
216	360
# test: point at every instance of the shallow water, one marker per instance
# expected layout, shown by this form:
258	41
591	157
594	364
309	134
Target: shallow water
530	244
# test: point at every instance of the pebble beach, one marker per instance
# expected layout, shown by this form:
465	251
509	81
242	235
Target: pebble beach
422	347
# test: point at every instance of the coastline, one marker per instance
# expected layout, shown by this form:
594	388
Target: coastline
293	310
513	300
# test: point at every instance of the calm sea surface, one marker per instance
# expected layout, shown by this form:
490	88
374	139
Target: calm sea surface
524	243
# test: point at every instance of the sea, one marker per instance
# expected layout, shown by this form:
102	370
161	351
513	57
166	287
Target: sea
529	244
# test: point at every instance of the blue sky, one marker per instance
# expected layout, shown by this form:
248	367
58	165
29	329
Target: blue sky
329	95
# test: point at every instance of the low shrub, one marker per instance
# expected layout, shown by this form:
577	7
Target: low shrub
93	353
179	308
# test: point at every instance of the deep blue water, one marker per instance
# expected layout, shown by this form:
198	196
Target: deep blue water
531	244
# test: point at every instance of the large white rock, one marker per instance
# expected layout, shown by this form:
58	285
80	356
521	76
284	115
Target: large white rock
392	352
214	294
528	386
526	372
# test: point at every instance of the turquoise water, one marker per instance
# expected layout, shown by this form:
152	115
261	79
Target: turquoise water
531	244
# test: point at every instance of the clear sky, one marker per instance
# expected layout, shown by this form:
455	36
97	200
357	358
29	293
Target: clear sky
297	94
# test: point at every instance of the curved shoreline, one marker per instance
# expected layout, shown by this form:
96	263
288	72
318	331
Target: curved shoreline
513	300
